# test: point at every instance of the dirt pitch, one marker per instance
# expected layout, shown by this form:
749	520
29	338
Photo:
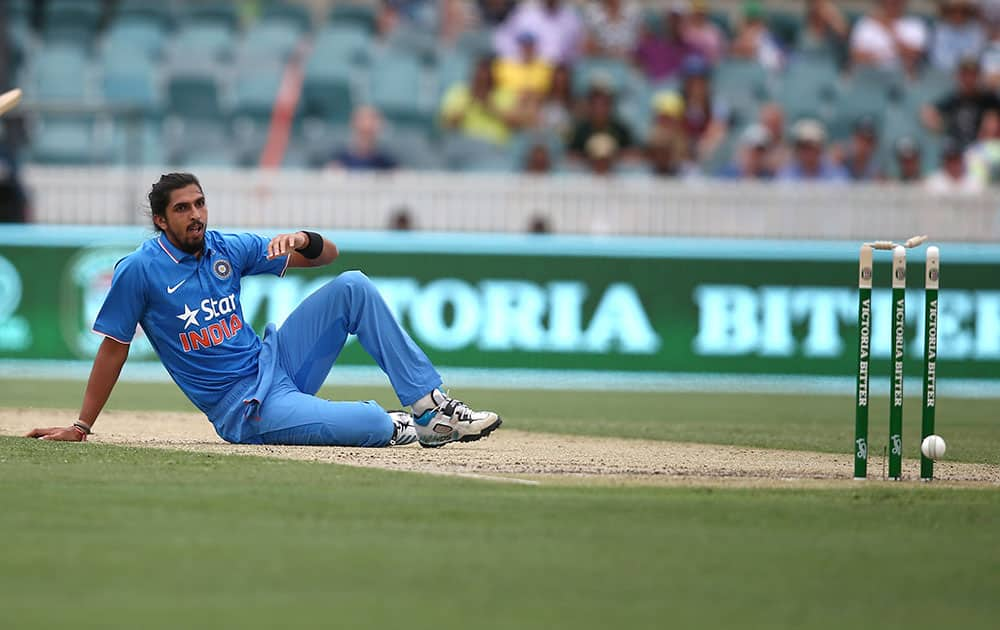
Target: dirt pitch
520	457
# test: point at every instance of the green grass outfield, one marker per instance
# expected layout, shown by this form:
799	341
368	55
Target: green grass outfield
104	536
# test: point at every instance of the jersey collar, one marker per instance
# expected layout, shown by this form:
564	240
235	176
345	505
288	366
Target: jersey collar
176	254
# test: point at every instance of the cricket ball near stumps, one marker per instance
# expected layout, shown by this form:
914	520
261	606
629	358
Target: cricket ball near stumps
933	447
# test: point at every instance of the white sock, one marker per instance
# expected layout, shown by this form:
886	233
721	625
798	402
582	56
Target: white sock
430	401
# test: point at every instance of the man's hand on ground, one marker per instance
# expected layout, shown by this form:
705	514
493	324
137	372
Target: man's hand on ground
59	434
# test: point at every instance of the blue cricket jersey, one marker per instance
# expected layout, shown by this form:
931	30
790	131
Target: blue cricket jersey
190	309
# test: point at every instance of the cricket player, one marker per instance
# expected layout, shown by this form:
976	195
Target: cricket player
183	288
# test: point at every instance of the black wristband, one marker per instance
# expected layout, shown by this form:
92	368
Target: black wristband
314	247
82	426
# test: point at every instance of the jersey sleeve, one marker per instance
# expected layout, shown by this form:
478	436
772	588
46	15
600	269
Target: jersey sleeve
125	303
250	255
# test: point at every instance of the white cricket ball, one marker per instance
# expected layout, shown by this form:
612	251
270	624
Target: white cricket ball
933	447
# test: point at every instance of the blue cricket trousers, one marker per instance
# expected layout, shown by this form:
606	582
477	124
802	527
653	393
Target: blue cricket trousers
279	406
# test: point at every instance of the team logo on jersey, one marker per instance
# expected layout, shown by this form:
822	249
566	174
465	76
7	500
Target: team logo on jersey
214	322
222	269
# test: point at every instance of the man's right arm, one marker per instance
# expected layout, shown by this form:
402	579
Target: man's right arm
107	366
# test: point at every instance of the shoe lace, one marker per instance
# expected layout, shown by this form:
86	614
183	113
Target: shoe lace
457	409
454	408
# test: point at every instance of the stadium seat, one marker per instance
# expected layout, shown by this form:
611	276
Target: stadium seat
396	87
451	69
340	44
70	21
22	41
896	124
155	11
808	88
207	13
18	9
461	152
59	73
724	153
496	163
930	148
475	44
356	14
255	88
327	90
413	149
129	80
194	142
66	139
742	86
590	69
127	36
315	140
864	93
269	41
633	170
784	26
283	12
522	143
415	42
195	45
932	86
137	141
195	95
249	135
635	110
217	156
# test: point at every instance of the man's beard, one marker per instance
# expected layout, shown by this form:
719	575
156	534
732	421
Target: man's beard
191	241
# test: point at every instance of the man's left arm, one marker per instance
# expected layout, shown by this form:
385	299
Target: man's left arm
304	249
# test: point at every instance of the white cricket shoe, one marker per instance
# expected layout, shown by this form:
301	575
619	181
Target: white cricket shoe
453	421
404	431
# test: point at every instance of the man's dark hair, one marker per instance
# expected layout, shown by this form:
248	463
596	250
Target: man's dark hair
159	195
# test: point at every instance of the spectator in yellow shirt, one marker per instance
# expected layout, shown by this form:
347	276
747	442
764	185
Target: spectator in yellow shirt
528	76
480	110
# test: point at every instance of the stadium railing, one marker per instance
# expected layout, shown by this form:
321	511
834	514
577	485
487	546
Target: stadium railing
573	204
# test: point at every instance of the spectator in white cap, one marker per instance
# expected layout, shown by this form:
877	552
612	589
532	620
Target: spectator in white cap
809	160
752	160
888	38
602	154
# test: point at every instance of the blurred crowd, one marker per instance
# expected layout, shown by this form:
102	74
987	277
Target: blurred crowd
529	86
800	90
